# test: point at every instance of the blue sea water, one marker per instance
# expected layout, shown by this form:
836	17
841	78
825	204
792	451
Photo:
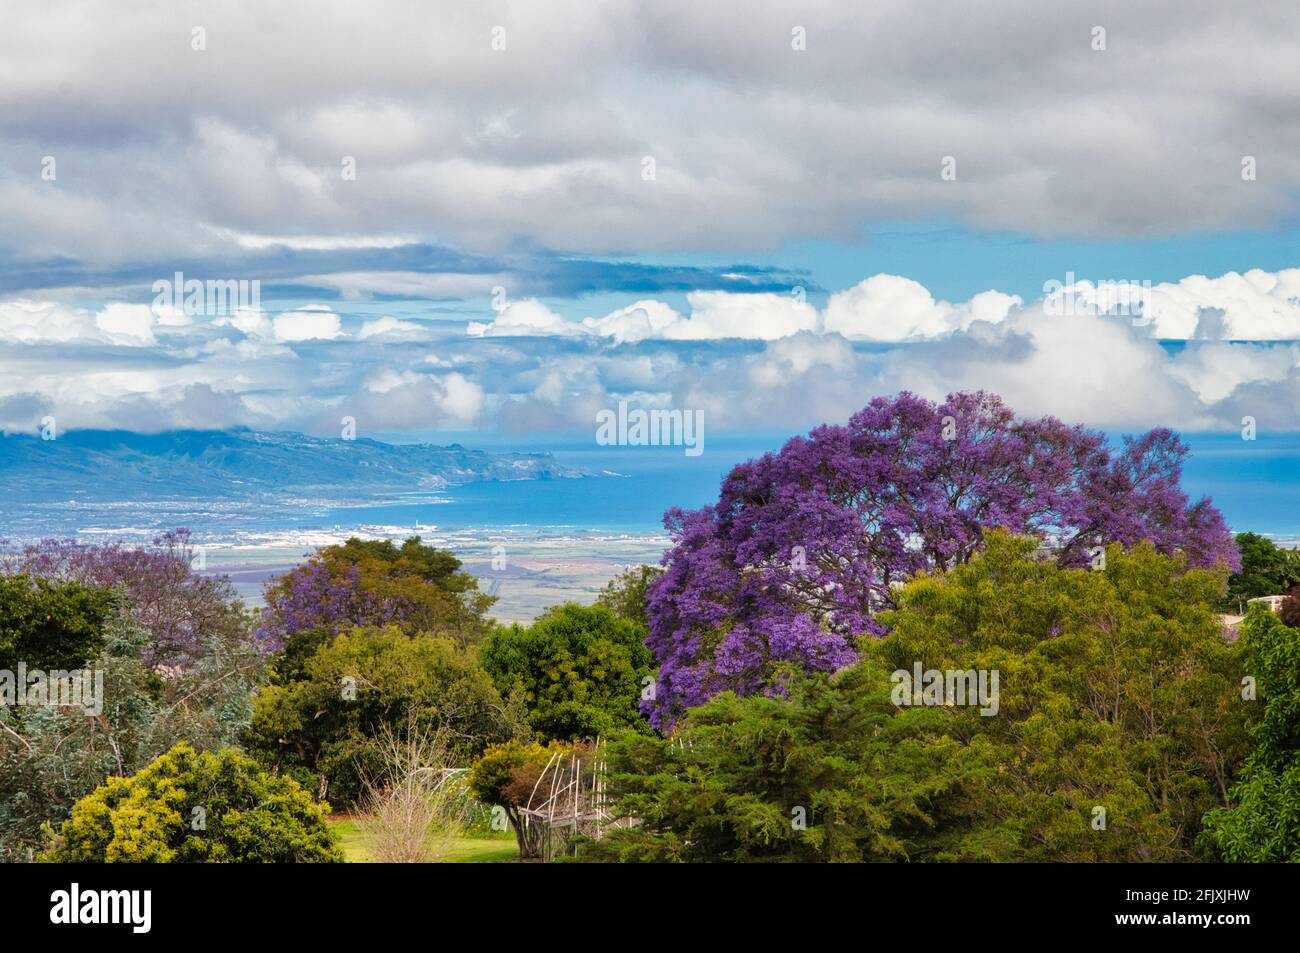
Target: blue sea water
1255	483
650	480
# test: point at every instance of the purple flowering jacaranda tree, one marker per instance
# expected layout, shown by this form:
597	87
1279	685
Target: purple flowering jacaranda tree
183	609
804	547
319	595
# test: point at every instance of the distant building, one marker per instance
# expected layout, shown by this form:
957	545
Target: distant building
1274	603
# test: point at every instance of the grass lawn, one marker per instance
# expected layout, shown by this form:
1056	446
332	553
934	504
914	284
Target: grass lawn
464	850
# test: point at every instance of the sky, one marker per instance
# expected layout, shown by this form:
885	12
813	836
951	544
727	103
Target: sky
488	221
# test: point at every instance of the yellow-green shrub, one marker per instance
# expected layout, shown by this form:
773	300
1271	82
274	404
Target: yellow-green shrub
186	807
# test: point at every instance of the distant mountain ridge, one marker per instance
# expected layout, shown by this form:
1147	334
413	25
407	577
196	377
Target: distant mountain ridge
98	465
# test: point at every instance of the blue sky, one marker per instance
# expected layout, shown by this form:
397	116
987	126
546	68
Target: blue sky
490	221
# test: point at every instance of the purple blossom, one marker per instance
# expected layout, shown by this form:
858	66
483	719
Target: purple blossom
804	547
316	595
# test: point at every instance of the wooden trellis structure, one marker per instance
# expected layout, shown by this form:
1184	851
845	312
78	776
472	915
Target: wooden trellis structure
568	800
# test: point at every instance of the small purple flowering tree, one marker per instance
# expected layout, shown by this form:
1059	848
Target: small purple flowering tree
368	583
182	610
805	546
318	595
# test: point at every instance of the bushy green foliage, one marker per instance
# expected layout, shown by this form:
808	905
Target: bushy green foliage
626	592
188	807
581	670
1116	691
327	721
832	773
50	625
52	757
1266	570
1263	823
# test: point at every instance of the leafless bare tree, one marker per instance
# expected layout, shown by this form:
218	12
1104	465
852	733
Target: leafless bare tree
417	805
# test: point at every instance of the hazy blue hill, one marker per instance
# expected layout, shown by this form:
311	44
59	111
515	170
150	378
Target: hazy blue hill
225	465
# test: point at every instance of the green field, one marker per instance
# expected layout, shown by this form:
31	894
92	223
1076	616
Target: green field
465	850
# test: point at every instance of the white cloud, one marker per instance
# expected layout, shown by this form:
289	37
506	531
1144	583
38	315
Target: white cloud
714	315
1215	369
389	327
460	398
251	323
48	322
793	357
389	379
406	400
312	242
1256	306
885	308
891	308
721	314
354	285
524	318
132	322
307	324
1079	368
640	321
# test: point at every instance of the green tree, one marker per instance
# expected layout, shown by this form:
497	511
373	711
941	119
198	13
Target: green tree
1266	570
832	772
581	670
436	596
1115	722
190	807
50	625
626	592
1263	822
327	722
1120	721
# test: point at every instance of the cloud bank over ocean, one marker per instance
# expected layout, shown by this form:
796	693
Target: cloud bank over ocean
747	360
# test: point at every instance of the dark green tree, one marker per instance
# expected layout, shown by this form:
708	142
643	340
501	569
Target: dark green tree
50	625
581	670
831	773
626	592
1266	570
